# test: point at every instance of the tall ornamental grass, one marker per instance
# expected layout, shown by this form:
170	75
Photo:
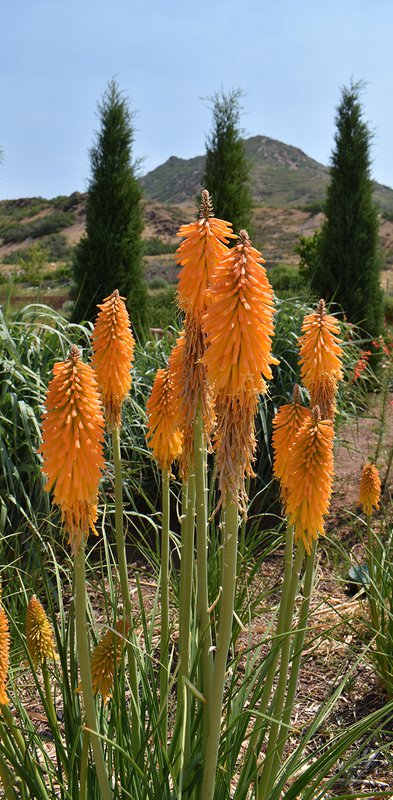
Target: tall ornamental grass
150	680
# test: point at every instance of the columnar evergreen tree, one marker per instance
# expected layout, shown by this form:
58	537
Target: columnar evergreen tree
347	263
226	169
109	255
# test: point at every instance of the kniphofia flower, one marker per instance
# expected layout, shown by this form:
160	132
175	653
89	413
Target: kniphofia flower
191	392
72	447
370	489
4	656
113	350
39	634
163	435
202	249
310	478
320	359
286	424
106	658
238	322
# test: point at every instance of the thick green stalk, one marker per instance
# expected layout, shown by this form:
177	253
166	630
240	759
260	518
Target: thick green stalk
186	572
203	614
48	696
223	645
125	591
164	585
82	642
256	740
296	661
279	698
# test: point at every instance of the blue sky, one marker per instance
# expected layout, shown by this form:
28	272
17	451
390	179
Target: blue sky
290	57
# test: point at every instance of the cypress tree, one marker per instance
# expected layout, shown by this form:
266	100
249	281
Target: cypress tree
109	255
347	263
226	169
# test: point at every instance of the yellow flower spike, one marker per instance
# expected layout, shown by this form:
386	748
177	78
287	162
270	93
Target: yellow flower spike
310	478
370	489
113	351
202	249
39	634
163	437
320	359
286	424
4	656
72	446
105	657
238	322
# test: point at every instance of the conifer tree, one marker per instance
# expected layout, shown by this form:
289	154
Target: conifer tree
226	169
109	255
347	263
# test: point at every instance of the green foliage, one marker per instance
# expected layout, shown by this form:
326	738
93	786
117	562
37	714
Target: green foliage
307	250
109	255
388	308
33	263
348	262
284	278
226	174
162	310
51	223
157	247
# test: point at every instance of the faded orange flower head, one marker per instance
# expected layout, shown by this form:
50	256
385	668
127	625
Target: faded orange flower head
113	351
203	247
234	444
321	358
72	446
4	656
39	634
106	658
239	322
370	489
163	436
310	478
286	424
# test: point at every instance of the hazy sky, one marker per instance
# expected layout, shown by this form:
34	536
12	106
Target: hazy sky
290	57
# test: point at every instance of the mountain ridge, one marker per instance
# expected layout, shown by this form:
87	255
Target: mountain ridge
281	175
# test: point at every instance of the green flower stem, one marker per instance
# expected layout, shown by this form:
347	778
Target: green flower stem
374	601
84	767
82	642
296	661
279	699
14	731
223	645
256	739
203	615
164	584
125	591
186	572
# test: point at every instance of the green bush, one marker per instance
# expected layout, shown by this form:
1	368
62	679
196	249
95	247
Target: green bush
157	247
388	308
162	310
49	224
285	278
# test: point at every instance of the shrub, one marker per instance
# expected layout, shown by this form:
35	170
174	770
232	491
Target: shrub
388	308
157	247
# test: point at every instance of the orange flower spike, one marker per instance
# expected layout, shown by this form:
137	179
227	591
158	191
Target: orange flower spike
72	446
163	437
203	247
286	424
238	322
4	656
370	489
39	634
310	478
105	657
320	351
113	351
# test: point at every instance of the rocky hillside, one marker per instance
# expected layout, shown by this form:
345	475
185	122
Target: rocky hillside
282	176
